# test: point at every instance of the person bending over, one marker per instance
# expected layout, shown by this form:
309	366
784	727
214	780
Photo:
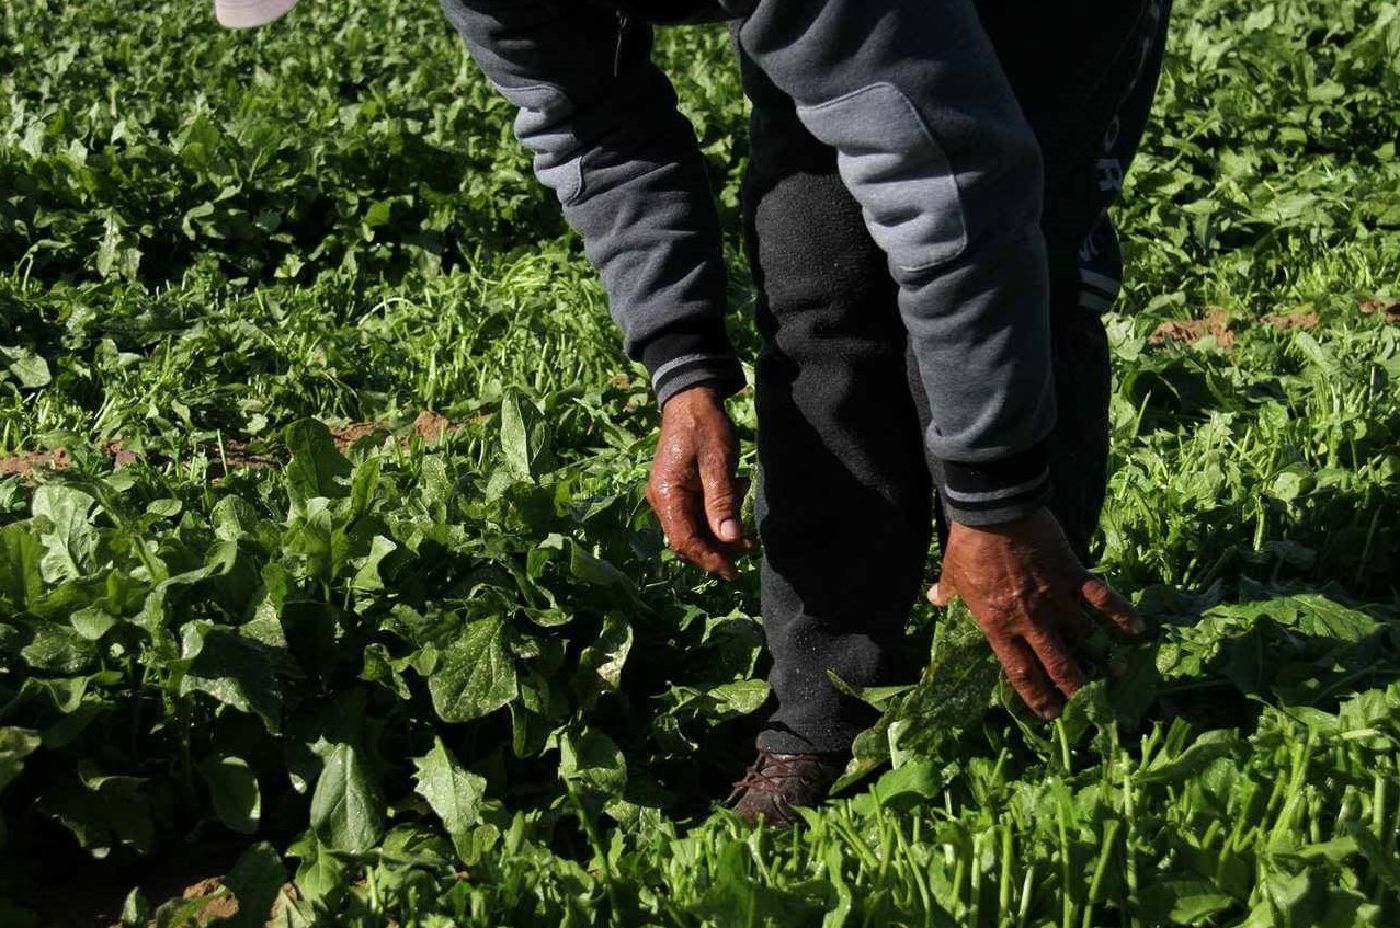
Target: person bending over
925	220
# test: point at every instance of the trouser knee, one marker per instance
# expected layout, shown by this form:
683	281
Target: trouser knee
820	274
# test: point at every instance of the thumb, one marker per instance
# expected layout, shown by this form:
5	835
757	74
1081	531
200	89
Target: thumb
942	592
721	498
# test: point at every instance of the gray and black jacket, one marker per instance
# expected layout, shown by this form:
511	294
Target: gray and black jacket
930	140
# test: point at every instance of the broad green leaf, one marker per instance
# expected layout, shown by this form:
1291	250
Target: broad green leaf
1383	864
15	745
367	575
233	789
317	533
186	913
255	881
102	812
165	508
1184	902
1196	908
321	876
917	778
364	482
57	605
1202	751
1089	707
92	622
476	675
68	535
417	843
348	811
730	648
524	438
59	649
600	665
114	258
21	573
955	691
28	368
52	697
902	788
1298	899
316	467
453	793
233	669
232	518
380	668
549	618
594	570
592	759
317	726
436	486
741	697
136	911
530	717
293	913
1321	617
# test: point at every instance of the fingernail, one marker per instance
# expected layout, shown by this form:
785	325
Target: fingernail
729	530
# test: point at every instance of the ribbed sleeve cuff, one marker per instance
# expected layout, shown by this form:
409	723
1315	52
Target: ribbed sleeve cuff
996	492
690	356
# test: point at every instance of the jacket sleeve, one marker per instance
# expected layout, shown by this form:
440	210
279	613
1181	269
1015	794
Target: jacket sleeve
933	145
602	122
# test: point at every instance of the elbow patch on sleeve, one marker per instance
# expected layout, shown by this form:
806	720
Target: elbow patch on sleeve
895	168
542	127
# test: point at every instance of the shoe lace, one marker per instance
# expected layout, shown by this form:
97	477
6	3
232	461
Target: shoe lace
773	773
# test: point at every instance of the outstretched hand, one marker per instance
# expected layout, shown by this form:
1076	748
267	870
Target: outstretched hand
1026	588
692	487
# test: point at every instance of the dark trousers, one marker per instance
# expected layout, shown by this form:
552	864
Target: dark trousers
846	504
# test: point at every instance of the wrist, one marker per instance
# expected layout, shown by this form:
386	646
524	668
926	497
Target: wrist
1010	528
689	355
704	395
986	494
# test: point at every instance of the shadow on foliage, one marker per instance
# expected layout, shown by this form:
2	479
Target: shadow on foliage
1217	665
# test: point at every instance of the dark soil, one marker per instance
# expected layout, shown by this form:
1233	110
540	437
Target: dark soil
235	454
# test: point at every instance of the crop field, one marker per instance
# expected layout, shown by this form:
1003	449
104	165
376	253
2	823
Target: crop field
329	595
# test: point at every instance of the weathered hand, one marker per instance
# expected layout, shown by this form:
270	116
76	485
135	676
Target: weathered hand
1025	587
692	487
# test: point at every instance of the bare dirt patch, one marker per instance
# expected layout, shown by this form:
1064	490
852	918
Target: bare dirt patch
220	904
346	436
431	426
233	453
236	455
1305	318
1391	309
1190	331
25	463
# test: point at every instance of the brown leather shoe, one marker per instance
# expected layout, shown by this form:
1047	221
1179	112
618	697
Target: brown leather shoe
777	783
